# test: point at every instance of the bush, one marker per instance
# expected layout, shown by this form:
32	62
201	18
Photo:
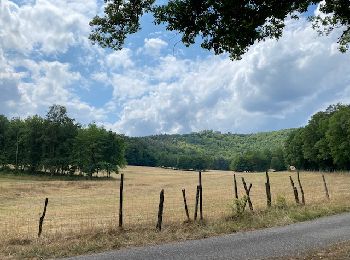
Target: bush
239	206
281	202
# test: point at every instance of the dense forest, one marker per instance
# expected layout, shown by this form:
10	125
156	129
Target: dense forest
324	143
58	145
210	150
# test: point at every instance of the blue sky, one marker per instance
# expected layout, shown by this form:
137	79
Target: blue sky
156	85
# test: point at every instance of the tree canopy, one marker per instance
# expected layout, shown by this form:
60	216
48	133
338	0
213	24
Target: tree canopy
323	144
209	150
223	26
59	145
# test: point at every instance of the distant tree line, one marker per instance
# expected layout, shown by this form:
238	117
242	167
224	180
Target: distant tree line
58	145
255	161
207	150
324	143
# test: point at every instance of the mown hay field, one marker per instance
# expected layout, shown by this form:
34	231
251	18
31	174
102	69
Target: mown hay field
77	205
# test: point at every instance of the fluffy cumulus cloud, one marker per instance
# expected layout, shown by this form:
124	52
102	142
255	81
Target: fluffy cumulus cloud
46	58
277	84
47	25
153	46
118	59
33	35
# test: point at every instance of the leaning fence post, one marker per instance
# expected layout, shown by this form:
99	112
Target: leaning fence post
268	190
236	190
235	186
296	195
41	220
160	211
301	190
196	206
185	202
325	186
247	191
121	200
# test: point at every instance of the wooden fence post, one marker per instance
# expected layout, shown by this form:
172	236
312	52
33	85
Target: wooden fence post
296	195
236	191
41	220
196	206
247	191
235	186
268	190
121	200
301	190
325	186
185	202
160	211
200	196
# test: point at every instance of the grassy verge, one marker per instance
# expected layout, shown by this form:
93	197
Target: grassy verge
98	240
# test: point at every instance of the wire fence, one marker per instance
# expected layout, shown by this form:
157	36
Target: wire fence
75	206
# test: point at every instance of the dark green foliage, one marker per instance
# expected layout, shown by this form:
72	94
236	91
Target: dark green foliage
95	149
323	144
337	16
241	163
195	162
224	26
59	145
122	18
15	148
259	161
139	153
58	139
277	163
338	137
34	137
220	163
206	150
293	149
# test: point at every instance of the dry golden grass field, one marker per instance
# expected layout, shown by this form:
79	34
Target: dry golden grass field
77	205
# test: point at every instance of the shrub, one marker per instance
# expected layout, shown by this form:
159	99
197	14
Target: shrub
281	202
239	206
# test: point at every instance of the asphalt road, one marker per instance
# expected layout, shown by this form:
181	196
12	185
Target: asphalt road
260	244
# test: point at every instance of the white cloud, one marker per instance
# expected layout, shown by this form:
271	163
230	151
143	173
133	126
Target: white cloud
119	59
47	25
9	79
101	77
277	84
31	32
52	83
153	46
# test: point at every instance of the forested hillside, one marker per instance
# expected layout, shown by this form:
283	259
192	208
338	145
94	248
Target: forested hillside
209	149
324	143
59	145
